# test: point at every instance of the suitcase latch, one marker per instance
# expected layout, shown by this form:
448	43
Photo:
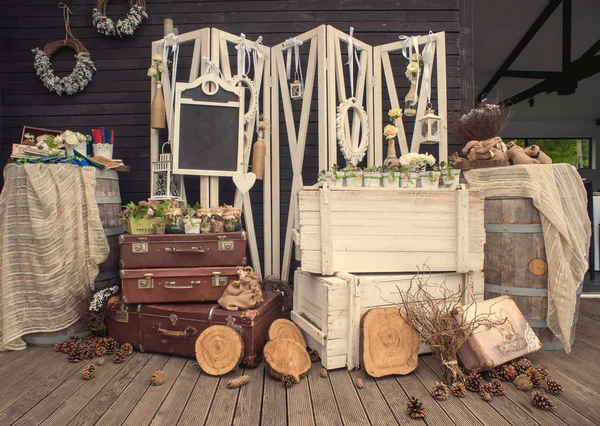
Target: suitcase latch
139	247
173	318
146	283
218	280
224	245
231	323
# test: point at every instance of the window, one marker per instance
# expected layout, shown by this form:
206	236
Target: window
571	151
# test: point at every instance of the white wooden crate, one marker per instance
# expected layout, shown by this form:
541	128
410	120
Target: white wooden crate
364	230
329	308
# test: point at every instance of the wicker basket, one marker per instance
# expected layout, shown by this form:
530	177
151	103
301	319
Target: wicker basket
141	226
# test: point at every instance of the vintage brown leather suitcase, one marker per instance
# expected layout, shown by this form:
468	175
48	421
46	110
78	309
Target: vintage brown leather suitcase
182	250
174	328
511	336
168	285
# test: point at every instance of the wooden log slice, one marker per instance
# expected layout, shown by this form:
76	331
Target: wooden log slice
389	345
219	350
286	357
283	328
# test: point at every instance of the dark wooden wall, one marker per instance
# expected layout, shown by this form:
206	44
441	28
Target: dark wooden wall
119	95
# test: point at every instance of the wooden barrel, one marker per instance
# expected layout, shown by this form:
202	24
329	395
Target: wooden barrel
108	198
515	262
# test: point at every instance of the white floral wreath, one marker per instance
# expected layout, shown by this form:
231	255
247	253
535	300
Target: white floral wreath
127	26
74	82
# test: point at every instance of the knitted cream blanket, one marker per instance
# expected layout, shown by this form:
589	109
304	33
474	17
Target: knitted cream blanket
559	195
51	243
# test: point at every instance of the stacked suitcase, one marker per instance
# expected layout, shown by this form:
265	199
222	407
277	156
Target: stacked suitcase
170	285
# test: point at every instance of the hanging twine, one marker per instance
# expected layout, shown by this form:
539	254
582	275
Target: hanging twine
70	40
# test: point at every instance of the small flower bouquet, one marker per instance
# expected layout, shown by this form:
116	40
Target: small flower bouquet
217	221
191	220
157	67
143	218
414	164
71	141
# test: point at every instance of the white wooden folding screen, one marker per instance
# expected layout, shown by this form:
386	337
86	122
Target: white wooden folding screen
382	63
314	42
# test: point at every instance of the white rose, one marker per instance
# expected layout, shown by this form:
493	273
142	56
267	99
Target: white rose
405	160
71	139
413	67
161	67
81	138
390	131
152	72
157	58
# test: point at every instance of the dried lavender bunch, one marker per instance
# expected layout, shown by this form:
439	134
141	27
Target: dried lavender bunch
485	121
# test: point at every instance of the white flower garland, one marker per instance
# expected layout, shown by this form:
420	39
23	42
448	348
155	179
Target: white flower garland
100	298
126	26
73	83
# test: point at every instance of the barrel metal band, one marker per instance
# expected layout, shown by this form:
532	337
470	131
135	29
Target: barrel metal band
108	199
555	346
512	228
109	232
522	291
108	275
539	323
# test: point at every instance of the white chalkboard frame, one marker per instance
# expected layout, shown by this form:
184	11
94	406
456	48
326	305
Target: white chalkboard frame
211	80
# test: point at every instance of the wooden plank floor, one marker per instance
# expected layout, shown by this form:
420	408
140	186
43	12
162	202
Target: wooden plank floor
39	386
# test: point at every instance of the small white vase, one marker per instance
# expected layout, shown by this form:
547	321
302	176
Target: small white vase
103	149
354	179
430	179
372	179
80	147
191	225
452	179
390	179
409	180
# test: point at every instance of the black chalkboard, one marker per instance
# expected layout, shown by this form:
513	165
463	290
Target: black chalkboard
208	135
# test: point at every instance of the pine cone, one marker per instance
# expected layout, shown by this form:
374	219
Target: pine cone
509	373
158	378
522	365
100	351
415	408
553	387
474	382
535	376
238	382
323	373
127	349
58	347
89	352
89	372
522	382
492	374
495	387
439	391
541	400
76	355
69	345
119	356
459	390
485	395
313	354
101	361
288	381
112	346
543	369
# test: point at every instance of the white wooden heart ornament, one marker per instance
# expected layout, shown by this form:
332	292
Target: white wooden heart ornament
244	181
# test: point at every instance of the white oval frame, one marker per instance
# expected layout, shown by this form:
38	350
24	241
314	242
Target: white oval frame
353	156
249	115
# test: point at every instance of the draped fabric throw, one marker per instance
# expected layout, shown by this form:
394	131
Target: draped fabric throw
51	243
559	195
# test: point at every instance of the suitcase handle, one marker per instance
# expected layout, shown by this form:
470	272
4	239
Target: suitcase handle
171	285
188	332
178	250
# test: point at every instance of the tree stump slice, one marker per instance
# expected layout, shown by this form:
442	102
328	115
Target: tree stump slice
219	350
283	328
286	357
389	345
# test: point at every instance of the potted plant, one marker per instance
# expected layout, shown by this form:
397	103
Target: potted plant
333	177
191	222
430	174
72	141
390	176
372	177
450	175
354	176
174	217
143	217
412	165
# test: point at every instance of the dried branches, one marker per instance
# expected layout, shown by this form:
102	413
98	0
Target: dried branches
485	121
435	312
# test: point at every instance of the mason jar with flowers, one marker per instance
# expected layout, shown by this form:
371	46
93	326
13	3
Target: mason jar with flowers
411	166
217	221
205	220
174	217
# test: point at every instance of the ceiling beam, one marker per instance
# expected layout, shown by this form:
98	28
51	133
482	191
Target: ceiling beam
539	75
576	71
531	32
592	50
566	33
